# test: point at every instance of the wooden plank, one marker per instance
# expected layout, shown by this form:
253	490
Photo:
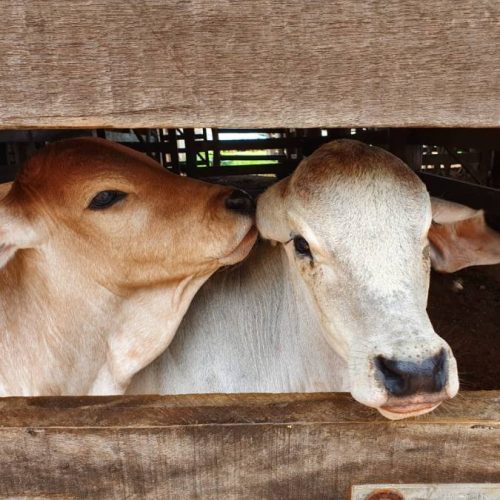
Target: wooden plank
476	491
237	446
476	407
164	63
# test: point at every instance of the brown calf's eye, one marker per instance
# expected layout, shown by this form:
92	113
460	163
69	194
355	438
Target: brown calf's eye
302	247
106	199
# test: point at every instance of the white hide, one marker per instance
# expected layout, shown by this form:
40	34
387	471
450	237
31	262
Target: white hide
270	340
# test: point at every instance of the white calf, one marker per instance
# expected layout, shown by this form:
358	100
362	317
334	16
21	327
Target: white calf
340	304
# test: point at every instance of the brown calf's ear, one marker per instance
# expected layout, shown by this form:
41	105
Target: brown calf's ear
16	232
271	213
463	243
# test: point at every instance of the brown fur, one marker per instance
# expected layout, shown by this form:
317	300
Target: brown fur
83	297
344	160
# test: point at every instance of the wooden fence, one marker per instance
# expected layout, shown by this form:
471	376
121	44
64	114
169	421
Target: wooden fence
99	64
238	446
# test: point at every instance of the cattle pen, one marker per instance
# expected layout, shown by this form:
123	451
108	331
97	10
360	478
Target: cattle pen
217	90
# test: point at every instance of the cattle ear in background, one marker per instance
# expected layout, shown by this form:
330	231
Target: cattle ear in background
459	237
16	231
271	213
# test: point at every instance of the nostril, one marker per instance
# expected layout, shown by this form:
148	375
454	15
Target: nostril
440	371
405	378
395	380
241	202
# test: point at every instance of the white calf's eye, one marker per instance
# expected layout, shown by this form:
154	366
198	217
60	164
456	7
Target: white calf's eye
302	247
106	199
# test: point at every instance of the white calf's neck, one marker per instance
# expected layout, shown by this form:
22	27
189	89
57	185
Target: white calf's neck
249	329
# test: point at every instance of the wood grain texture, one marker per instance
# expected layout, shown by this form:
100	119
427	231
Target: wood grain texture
101	63
237	446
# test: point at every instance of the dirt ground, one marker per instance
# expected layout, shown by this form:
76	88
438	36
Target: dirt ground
464	308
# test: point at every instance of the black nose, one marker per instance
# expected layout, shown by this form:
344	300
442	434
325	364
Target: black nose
240	202
404	378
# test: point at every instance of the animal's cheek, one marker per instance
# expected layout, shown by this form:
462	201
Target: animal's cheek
303	265
308	269
312	273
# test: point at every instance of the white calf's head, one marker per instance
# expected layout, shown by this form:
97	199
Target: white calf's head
354	222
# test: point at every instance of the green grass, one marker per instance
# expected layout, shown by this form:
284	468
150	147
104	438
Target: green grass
238	163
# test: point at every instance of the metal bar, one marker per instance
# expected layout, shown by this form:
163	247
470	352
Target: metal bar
217	148
224	157
161	139
174	151
430	159
463	192
154	147
191	151
249	130
278	169
40	135
251	144
479	138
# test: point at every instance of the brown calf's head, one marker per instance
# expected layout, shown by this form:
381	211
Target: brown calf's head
116	214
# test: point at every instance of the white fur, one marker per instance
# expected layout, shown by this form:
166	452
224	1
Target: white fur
251	328
286	322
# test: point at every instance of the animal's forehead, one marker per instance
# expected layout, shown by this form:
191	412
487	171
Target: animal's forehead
365	220
347	188
347	165
84	159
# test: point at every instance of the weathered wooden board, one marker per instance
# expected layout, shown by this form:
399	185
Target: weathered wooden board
237	446
308	63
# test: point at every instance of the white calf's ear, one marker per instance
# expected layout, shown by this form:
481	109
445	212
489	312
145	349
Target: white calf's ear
446	212
271	213
16	232
463	243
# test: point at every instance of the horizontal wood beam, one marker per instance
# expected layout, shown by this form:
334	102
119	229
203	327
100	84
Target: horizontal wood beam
245	446
105	64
